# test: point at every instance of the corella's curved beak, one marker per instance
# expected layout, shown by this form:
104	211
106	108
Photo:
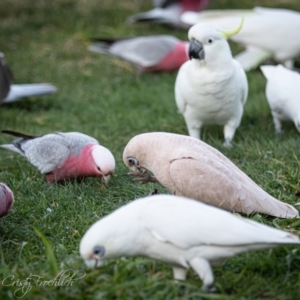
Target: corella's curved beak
93	263
196	50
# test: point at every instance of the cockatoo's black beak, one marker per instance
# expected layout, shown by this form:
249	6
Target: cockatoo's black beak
196	50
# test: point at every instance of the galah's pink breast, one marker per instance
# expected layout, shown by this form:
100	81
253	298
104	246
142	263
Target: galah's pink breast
82	165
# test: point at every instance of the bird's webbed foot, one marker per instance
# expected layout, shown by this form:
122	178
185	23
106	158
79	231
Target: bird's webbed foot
142	176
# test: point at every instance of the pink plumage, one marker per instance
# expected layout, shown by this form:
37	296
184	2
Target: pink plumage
63	156
6	199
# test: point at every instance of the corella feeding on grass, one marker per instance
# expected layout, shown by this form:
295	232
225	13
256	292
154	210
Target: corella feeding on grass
62	156
189	167
6	199
178	231
282	92
212	87
157	53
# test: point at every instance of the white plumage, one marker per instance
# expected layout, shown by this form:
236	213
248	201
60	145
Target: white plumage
212	87
179	231
267	32
283	94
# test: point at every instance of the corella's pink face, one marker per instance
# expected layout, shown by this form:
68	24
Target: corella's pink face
104	162
6	199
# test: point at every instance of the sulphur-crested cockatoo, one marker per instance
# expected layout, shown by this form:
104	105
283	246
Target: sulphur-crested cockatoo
169	11
64	155
13	92
282	92
157	53
266	33
212	87
178	231
189	167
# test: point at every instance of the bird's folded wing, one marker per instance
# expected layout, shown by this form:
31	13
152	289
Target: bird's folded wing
185	225
47	154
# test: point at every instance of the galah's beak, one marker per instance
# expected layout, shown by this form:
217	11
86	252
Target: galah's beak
106	178
196	50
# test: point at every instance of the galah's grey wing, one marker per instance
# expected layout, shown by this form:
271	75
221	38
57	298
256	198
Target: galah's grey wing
145	51
46	154
6	78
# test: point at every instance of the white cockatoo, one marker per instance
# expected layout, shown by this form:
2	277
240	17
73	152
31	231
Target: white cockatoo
13	92
212	87
6	199
266	33
189	167
168	12
64	155
180	232
282	92
156	53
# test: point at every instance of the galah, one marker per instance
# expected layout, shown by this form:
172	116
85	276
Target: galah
282	92
212	87
158	53
266	33
6	199
169	12
63	156
180	232
188	167
13	92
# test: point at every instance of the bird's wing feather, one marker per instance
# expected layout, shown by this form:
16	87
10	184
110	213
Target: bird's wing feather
46	154
207	225
223	186
145	51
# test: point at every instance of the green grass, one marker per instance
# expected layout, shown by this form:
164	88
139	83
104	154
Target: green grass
45	41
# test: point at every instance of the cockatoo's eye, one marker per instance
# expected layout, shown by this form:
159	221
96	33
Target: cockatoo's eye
210	41
132	161
99	251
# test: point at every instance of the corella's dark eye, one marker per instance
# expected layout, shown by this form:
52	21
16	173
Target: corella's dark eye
132	161
210	41
99	251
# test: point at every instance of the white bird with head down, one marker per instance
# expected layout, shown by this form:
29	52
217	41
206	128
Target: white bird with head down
212	87
178	231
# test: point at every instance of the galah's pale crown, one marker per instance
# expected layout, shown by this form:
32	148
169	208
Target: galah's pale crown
104	159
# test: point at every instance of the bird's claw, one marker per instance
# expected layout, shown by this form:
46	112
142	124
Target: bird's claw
209	289
142	176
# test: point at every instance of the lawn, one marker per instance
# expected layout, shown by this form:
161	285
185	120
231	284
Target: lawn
46	41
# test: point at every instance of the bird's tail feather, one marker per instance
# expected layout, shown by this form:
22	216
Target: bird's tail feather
11	147
18	91
19	134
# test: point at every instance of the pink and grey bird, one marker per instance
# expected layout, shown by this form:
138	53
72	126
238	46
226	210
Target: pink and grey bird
63	156
191	168
169	12
157	53
6	199
10	92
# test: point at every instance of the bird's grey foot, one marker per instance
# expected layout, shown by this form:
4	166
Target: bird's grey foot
209	289
227	144
143	176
